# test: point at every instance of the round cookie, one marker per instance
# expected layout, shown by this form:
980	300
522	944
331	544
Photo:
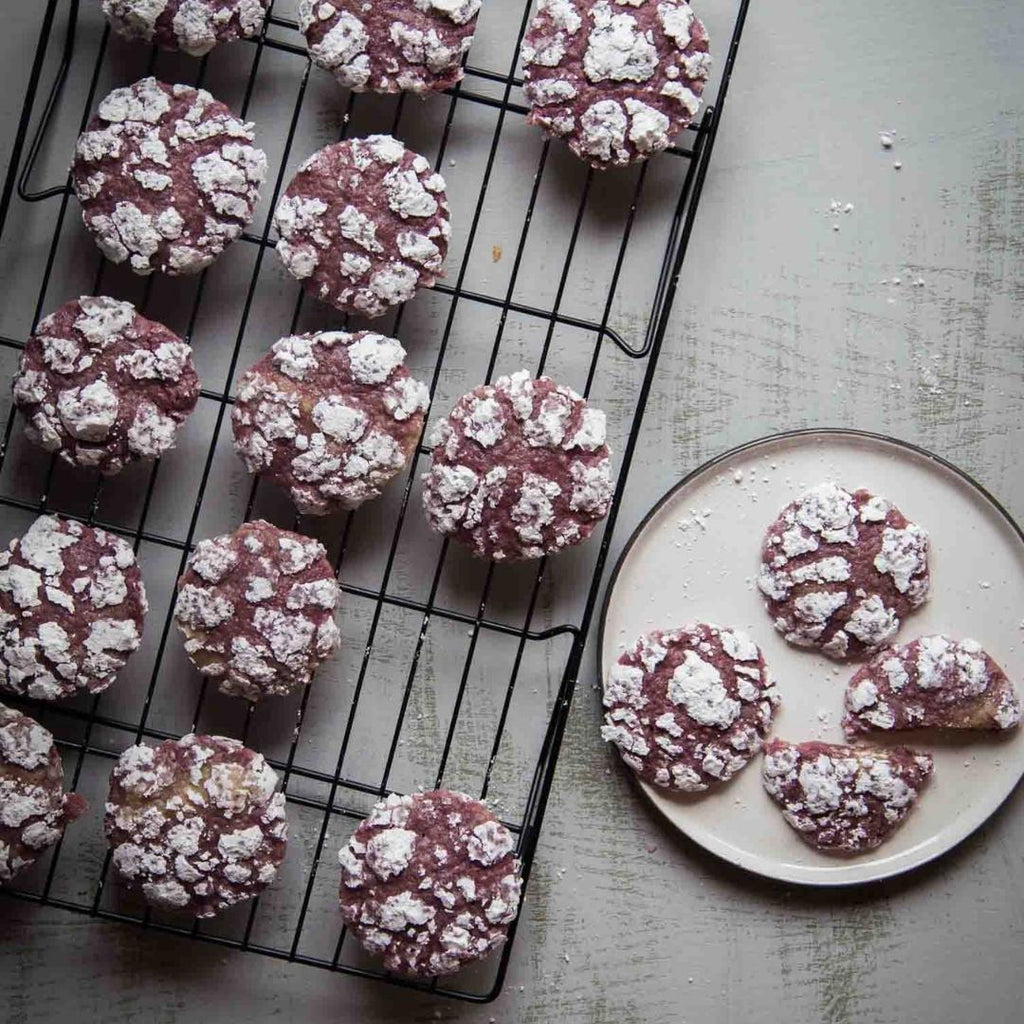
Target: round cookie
429	882
331	417
195	824
520	469
167	177
33	805
104	386
840	570
390	45
192	26
689	707
616	81
71	609
257	610
364	224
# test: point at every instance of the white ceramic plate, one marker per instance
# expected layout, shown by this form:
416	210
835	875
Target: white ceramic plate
695	558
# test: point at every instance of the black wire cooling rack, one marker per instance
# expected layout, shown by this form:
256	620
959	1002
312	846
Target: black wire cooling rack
417	610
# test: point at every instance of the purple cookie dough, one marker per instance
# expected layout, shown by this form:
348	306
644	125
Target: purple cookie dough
689	707
193	26
331	417
195	823
104	386
390	45
167	177
520	469
843	800
429	882
71	609
257	610
839	571
33	805
617	81
364	224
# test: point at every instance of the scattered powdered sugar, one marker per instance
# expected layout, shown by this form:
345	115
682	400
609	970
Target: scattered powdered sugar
192	26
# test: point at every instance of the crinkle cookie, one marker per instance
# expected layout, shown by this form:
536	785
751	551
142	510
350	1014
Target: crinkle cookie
364	225
429	882
841	570
331	417
33	805
192	26
390	45
843	800
689	707
195	824
932	682
520	469
167	177
257	610
71	609
104	386
616	79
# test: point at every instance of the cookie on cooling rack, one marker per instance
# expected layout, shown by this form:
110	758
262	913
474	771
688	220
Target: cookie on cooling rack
193	26
331	417
364	225
195	824
257	610
167	177
33	805
520	469
689	707
617	81
840	570
71	609
390	45
430	882
103	386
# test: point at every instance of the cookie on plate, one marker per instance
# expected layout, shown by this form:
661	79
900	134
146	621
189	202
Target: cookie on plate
364	225
689	707
331	417
843	800
104	386
520	469
193	26
33	805
390	45
430	882
71	609
841	570
617	81
932	682
167	177
257	610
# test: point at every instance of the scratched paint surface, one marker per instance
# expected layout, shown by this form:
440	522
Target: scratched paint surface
781	322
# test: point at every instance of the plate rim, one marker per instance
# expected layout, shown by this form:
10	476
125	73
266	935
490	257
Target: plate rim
731	453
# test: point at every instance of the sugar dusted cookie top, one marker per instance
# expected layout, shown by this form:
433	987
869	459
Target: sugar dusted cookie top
193	26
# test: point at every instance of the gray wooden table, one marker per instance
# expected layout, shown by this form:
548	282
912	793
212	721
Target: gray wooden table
907	320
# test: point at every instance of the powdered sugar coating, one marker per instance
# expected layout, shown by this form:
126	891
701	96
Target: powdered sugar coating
33	805
689	707
843	800
71	609
257	610
390	45
931	682
195	824
103	386
430	882
167	177
520	469
840	570
617	79
193	26
364	224
331	417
